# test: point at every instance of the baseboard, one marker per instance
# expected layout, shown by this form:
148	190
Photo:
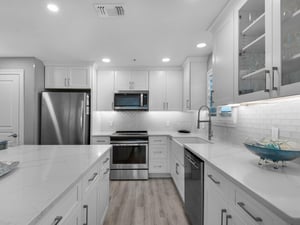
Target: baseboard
159	175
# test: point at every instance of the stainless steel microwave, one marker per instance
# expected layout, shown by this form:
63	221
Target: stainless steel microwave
131	100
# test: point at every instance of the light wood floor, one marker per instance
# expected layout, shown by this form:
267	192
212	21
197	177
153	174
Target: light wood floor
151	202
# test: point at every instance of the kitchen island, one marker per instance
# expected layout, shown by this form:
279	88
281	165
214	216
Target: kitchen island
54	183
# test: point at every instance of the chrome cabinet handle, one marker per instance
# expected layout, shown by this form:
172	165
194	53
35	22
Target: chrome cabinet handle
86	207
227	218
267	73
243	206
106	172
56	220
106	160
177	165
274	68
66	84
13	135
93	177
222	215
213	179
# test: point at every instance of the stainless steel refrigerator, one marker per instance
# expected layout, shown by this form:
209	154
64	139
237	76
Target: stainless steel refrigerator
65	118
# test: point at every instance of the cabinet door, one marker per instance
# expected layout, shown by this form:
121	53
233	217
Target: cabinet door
186	87
157	90
73	218
90	204
253	22
174	90
286	44
139	80
123	81
223	63
215	210
56	77
103	194
79	77
180	178
105	90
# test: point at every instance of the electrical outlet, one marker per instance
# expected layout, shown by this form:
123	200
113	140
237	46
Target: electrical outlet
275	133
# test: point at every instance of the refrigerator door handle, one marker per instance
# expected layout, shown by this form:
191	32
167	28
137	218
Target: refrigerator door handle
83	120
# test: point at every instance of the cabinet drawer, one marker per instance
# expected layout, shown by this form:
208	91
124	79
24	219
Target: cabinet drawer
62	209
158	166
225	187
90	178
158	140
252	211
100	140
158	152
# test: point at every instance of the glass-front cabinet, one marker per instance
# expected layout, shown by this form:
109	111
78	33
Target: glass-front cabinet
268	49
286	45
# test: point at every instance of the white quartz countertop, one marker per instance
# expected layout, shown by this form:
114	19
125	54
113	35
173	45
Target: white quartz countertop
43	175
277	189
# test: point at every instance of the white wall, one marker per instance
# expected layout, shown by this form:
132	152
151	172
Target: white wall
151	121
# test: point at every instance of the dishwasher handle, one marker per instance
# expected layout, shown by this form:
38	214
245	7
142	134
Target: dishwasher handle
191	161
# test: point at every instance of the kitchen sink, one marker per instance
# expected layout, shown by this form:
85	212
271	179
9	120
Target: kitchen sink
190	140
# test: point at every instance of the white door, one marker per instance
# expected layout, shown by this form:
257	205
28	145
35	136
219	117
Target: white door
174	90
157	85
11	102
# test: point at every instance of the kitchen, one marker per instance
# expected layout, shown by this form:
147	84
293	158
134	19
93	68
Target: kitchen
247	75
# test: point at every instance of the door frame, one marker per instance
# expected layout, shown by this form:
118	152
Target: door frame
20	73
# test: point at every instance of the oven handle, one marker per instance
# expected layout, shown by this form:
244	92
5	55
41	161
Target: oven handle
136	144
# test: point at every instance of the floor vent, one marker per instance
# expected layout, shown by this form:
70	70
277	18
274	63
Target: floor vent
109	10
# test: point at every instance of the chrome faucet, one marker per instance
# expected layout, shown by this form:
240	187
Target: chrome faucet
210	134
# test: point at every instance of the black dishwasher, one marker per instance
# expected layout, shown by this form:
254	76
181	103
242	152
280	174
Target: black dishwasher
194	188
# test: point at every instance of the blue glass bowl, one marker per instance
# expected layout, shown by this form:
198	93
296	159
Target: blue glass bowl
272	154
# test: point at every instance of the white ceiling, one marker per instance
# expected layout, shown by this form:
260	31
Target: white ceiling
149	31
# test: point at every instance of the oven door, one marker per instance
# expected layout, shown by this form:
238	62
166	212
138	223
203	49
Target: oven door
129	156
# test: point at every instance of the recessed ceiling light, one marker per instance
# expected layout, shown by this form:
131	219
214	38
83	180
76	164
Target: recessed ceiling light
52	7
201	45
106	60
166	59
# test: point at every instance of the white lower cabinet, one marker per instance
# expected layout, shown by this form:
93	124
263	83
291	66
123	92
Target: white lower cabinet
177	166
159	156
226	204
86	203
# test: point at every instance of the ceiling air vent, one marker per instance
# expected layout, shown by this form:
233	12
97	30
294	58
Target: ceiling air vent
109	10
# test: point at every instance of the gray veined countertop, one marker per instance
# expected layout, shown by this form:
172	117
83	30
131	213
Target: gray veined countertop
278	190
45	172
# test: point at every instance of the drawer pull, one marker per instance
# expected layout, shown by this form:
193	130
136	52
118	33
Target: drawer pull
100	141
57	220
93	177
243	206
222	215
227	218
158	152
106	172
177	165
106	160
212	178
86	207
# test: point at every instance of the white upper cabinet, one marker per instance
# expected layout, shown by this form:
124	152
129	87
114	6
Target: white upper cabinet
165	89
131	80
223	66
67	77
268	49
104	90
194	83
